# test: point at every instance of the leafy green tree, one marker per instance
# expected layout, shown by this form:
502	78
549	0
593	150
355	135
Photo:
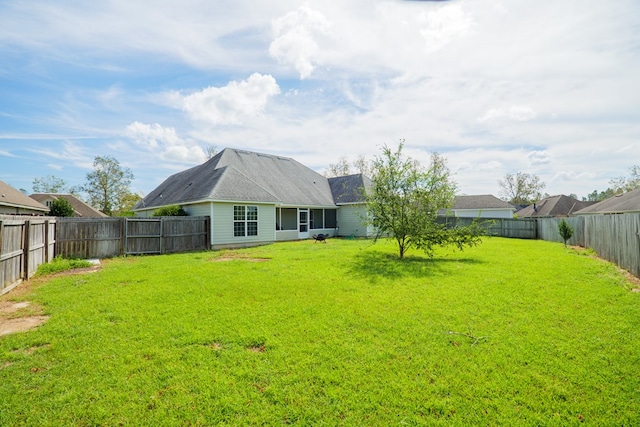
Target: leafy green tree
565	230
211	151
61	207
341	168
596	196
50	184
171	210
127	204
405	199
521	188
624	184
345	167
108	184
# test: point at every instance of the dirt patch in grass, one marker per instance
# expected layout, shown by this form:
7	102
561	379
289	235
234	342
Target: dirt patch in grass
21	324
257	348
19	317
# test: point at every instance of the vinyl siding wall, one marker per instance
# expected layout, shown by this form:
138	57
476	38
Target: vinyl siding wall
483	213
12	210
350	221
222	226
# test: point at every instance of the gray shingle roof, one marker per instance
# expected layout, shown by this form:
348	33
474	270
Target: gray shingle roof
484	201
560	205
626	202
243	176
349	189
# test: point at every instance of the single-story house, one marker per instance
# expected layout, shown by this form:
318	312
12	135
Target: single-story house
482	206
628	202
80	208
553	206
254	198
14	202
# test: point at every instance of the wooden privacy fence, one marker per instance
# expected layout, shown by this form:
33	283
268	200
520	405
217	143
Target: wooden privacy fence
25	243
615	238
548	230
110	237
502	227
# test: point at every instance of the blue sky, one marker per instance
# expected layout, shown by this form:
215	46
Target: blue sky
495	86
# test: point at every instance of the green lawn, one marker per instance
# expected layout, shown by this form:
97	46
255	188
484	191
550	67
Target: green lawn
511	332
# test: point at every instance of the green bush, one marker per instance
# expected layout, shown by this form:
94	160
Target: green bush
59	264
172	210
61	207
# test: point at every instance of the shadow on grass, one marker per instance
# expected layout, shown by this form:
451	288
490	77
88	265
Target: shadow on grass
380	265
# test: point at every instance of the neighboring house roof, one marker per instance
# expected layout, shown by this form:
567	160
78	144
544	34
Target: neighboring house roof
622	203
349	189
81	208
475	203
13	198
243	176
484	201
560	205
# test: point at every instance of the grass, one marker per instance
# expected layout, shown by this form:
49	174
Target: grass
59	264
512	332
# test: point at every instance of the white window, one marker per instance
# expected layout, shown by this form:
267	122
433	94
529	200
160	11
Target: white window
245	221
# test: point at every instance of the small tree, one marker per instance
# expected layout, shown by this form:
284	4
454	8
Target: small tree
565	230
127	205
61	207
49	184
521	188
405	200
171	210
108	184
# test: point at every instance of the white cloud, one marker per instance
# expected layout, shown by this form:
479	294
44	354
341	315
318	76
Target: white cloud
518	113
296	37
164	143
151	136
232	104
537	158
444	25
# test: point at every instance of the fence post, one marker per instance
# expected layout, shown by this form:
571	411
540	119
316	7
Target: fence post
1	237
207	226
123	236
26	246
46	240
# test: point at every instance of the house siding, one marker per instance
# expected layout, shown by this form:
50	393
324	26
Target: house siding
350	221
222	226
483	213
13	210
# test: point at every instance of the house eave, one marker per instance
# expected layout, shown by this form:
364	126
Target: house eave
33	208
